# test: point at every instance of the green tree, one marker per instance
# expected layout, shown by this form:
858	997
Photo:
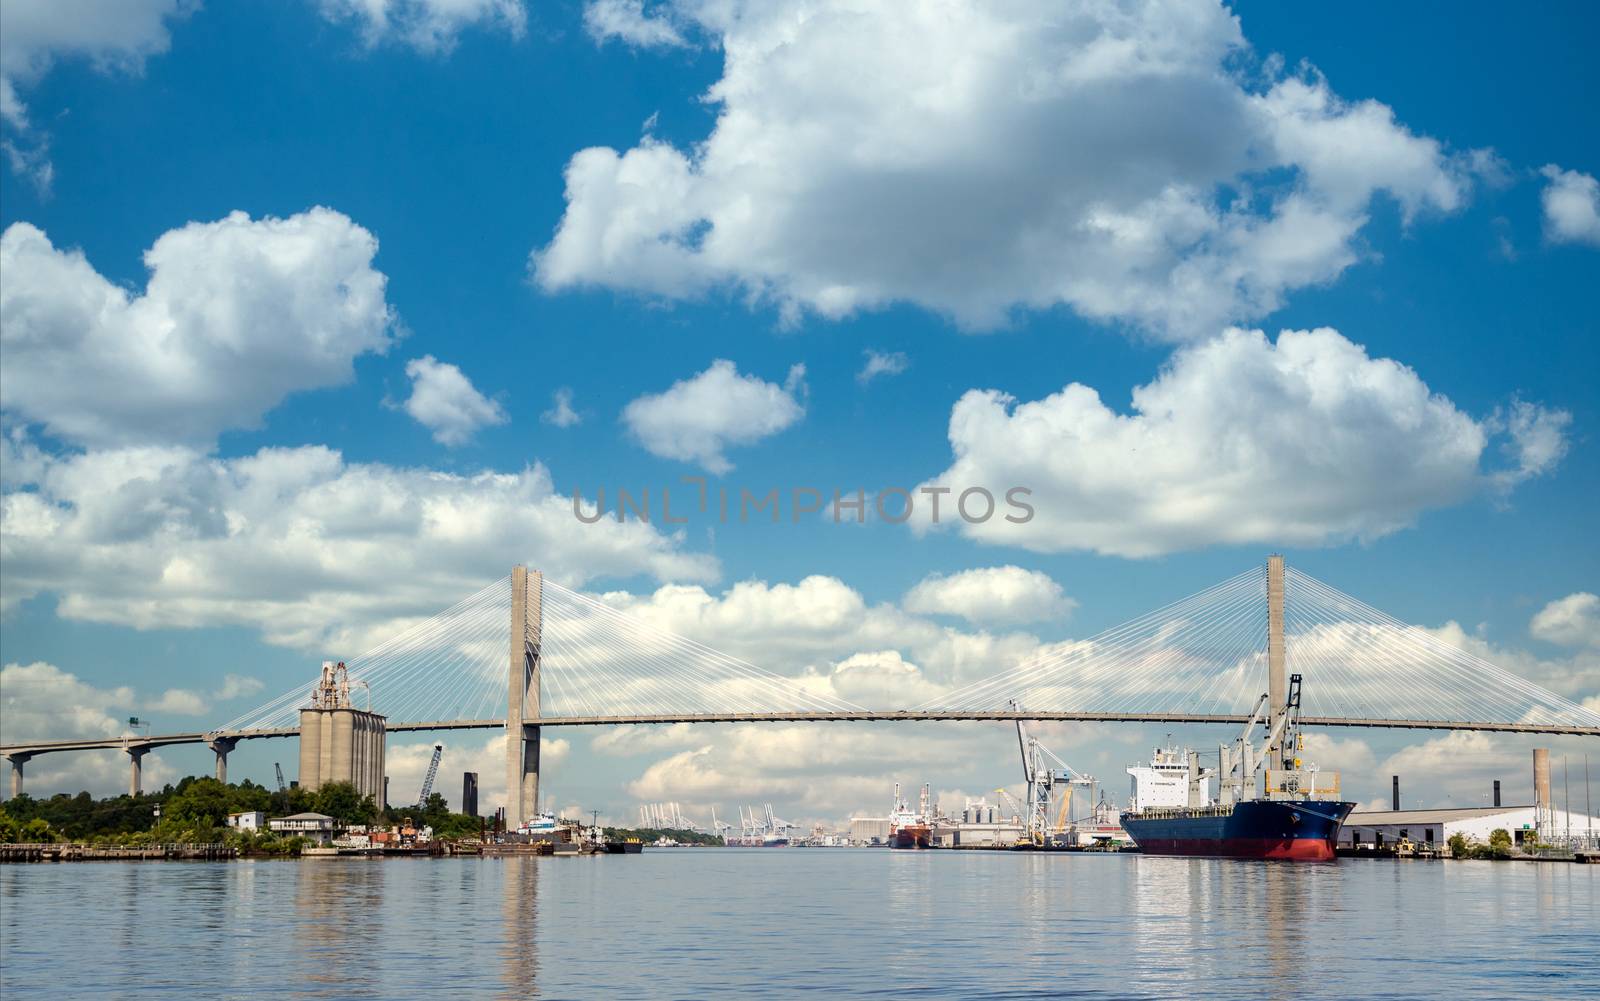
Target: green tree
340	801
204	804
1460	847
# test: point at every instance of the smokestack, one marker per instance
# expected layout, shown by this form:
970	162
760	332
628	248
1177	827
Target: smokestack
1496	792
1541	786
1396	779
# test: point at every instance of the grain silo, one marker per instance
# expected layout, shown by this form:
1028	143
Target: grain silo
338	742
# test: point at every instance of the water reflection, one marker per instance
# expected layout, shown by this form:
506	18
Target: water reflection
519	908
339	925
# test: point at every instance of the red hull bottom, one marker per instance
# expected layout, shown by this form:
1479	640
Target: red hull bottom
1299	849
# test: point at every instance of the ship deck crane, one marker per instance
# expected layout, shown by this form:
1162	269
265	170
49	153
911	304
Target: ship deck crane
1239	767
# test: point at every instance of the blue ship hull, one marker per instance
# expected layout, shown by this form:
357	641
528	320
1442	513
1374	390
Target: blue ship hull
1257	828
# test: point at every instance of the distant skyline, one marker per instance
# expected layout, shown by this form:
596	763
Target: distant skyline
314	316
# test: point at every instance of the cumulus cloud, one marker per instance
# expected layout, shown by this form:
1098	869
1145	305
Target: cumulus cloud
561	414
179	702
991	594
1571	206
236	686
1305	441
444	401
977	158
1571	621
824	633
882	363
236	315
1536	440
317	553
699	418
40	701
429	26
628	22
406	764
112	35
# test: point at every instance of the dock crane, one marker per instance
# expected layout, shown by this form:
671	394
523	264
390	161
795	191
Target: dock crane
433	771
718	827
1040	780
283	790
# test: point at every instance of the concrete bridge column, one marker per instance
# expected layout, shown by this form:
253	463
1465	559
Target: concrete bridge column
136	772
221	746
522	739
17	761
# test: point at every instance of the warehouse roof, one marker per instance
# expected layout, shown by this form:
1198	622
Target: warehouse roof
1372	818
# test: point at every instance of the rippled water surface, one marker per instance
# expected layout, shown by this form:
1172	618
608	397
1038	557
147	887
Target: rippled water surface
696	923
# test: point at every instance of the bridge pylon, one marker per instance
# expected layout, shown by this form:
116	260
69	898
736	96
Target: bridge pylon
522	739
1277	673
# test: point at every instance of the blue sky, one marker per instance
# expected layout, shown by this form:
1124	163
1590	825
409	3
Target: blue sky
450	145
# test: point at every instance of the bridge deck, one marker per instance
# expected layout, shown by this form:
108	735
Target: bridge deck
914	716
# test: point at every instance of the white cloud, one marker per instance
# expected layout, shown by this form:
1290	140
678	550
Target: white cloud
113	35
1536	440
622	741
407	764
991	594
697	419
882	363
317	553
561	413
235	686
237	314
39	701
429	26
1576	677
978	158
1571	206
444	401
824	633
629	22
1238	440
179	702
1571	621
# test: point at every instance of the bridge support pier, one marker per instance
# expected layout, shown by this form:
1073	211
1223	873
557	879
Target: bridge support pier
17	761
522	739
136	769
221	746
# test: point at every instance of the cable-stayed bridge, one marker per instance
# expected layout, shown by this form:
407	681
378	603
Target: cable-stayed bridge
576	660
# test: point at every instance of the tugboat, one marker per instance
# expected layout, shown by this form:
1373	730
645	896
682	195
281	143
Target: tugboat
910	828
1294	818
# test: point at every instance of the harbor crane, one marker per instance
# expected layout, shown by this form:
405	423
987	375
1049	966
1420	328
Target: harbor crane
1040	780
718	827
433	772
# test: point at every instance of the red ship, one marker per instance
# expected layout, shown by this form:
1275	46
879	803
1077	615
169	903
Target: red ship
910	828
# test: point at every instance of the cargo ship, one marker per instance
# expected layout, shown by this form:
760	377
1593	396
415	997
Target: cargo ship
1295	814
910	828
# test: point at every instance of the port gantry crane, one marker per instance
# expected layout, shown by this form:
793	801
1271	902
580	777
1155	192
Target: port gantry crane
1039	782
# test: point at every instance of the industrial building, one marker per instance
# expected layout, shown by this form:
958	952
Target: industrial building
1386	827
1541	822
338	742
869	830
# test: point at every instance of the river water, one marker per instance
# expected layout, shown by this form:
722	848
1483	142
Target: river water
694	923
